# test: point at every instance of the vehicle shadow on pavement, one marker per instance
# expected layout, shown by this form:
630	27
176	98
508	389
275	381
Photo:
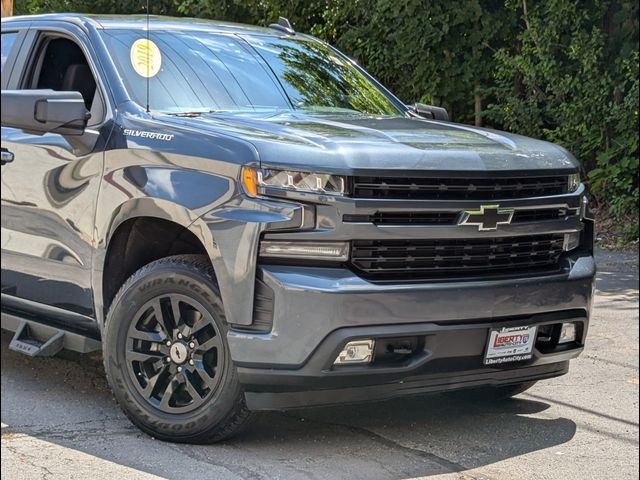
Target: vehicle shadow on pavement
66	403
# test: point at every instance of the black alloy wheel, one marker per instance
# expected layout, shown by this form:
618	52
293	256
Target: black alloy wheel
174	351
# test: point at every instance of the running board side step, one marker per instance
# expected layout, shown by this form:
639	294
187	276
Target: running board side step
24	341
39	340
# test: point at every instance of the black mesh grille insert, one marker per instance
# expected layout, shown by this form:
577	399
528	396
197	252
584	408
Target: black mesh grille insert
406	218
539	214
416	260
451	218
458	188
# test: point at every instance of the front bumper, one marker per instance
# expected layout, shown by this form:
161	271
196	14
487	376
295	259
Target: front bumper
310	303
318	310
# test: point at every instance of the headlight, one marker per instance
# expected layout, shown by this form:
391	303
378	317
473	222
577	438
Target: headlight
254	180
574	182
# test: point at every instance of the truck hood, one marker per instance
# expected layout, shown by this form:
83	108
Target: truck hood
352	145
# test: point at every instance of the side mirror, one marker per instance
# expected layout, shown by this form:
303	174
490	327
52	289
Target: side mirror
429	111
44	111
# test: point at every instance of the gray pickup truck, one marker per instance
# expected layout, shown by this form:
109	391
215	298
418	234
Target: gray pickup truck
243	219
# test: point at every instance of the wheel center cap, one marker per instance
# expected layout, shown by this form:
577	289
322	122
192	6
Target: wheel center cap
178	352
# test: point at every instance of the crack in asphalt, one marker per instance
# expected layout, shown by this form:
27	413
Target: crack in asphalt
28	426
73	431
195	454
445	463
248	473
610	362
68	431
582	409
29	460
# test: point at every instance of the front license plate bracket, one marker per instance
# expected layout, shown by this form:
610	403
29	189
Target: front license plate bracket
510	344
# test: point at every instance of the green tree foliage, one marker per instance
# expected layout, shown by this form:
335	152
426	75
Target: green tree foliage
571	77
437	52
561	70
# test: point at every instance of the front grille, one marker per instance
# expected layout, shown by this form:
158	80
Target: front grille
454	259
421	188
451	218
406	218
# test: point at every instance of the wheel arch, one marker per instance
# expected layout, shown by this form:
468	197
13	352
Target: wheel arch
184	233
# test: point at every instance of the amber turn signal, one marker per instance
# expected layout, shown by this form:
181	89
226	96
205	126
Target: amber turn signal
250	181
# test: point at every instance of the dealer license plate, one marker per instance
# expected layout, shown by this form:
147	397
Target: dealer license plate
506	345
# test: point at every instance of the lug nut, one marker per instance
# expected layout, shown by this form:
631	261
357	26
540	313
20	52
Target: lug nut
167	359
180	336
191	362
179	369
168	343
192	345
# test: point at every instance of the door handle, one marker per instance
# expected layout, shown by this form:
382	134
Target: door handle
6	156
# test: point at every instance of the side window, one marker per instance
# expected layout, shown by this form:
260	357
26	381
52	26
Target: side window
61	65
8	39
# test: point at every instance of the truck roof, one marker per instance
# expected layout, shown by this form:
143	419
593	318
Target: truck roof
139	22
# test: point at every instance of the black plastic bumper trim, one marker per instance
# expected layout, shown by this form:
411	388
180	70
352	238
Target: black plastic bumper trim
411	386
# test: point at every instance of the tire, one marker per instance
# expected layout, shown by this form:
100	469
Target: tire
491	394
187	391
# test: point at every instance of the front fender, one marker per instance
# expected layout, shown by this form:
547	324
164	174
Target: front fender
209	205
143	183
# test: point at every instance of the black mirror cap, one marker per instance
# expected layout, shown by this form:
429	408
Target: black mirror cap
430	112
44	111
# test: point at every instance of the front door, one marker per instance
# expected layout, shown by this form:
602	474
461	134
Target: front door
50	188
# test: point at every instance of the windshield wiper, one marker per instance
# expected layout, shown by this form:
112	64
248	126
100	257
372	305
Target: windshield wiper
195	113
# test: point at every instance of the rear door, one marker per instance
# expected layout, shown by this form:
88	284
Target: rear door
49	190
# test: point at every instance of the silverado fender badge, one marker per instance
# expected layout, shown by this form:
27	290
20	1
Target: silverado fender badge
488	217
167	137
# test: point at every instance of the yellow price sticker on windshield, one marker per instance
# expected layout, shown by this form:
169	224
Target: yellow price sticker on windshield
145	58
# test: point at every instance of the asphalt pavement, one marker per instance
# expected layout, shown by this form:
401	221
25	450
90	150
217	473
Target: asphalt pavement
59	421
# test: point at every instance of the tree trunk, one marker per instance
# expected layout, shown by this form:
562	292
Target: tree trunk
478	108
7	8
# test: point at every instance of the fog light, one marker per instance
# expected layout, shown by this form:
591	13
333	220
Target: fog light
568	333
571	241
357	351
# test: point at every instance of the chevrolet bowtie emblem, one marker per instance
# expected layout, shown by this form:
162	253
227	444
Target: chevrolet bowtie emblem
487	218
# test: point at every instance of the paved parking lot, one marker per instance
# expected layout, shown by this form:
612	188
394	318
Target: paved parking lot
59	421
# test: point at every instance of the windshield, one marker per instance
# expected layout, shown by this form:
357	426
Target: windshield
193	73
